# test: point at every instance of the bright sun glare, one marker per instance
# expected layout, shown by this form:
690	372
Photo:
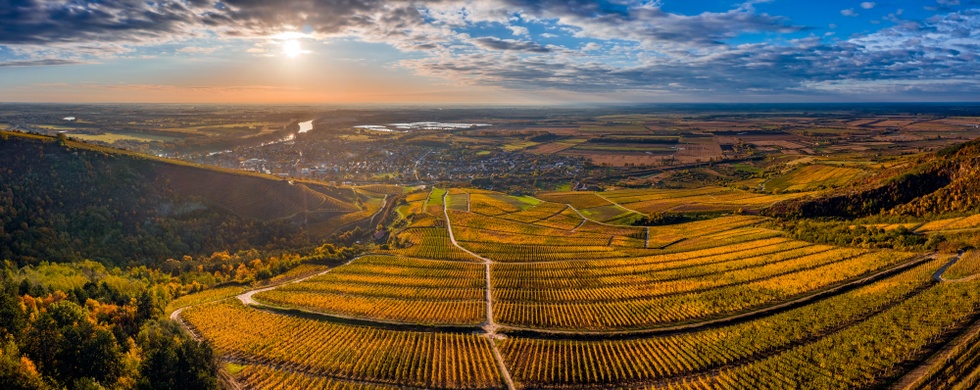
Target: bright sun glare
291	48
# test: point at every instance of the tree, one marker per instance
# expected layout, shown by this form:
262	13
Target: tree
174	360
145	307
18	372
89	352
12	318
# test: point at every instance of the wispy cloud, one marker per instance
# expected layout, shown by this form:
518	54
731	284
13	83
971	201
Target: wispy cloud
588	46
41	62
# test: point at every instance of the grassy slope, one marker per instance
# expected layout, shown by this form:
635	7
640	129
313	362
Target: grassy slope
64	200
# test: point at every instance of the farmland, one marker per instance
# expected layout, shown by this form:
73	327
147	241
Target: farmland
811	177
488	290
643	201
593	250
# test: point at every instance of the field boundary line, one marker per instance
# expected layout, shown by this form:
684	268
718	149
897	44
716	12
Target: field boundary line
616	204
628	257
535	222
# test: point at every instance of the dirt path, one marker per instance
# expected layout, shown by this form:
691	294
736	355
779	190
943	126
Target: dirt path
938	276
617	204
368	219
913	379
246	297
587	219
490	326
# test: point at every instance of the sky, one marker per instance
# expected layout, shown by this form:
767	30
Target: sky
483	52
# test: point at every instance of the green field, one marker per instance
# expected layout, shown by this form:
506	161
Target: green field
113	137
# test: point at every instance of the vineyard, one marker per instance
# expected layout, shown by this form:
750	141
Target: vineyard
967	266
812	177
421	359
705	199
483	290
970	222
394	289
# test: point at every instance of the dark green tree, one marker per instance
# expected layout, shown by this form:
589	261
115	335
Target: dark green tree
174	360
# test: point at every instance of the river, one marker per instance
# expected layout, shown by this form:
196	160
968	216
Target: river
305	126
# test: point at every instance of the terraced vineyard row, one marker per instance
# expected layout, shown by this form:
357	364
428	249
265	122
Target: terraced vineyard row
476	221
536	253
386	288
579	200
496	204
431	243
261	377
542	211
559	272
777	283
420	359
969	222
567	219
505	240
960	369
380	309
560	302
541	363
633	285
701	199
734	236
416	204
810	177
860	355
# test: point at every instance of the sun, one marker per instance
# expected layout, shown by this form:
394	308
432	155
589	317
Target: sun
292	48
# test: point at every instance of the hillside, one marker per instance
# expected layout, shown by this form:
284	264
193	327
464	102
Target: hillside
947	181
61	201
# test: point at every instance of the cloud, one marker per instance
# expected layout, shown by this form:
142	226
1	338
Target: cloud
604	47
43	22
41	62
197	50
648	23
903	60
494	43
520	31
